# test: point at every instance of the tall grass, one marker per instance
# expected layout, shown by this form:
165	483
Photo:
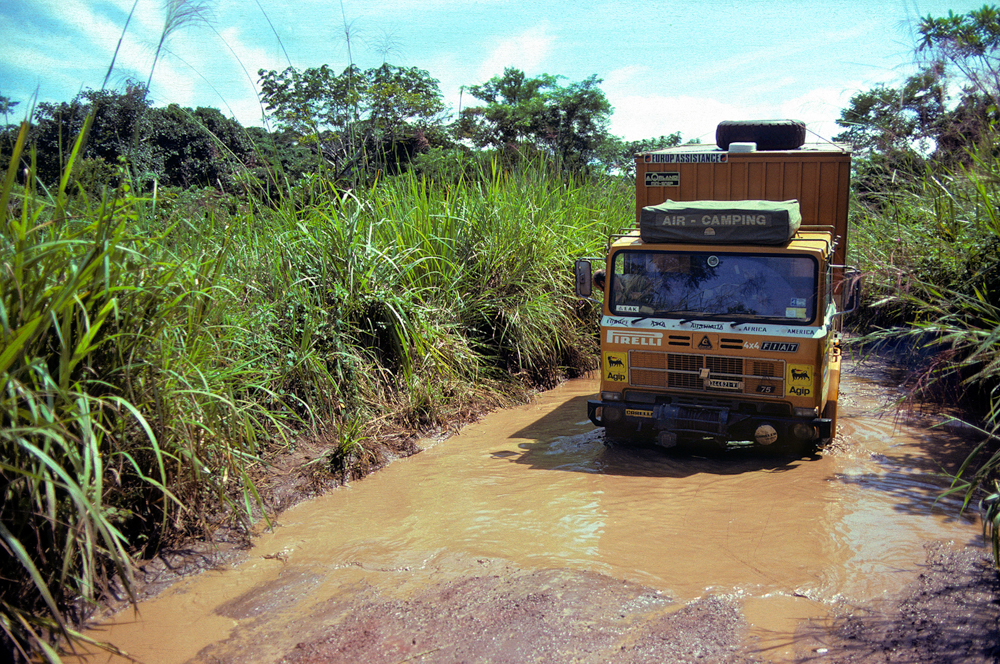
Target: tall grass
155	350
931	253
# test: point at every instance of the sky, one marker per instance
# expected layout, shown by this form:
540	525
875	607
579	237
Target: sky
666	65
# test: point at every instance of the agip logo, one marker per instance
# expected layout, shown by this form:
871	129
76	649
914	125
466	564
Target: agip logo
616	367
799	379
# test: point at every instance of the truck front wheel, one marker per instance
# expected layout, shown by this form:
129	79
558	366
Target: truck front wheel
616	435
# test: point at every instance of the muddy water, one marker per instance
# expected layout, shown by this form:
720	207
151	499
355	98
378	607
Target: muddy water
534	488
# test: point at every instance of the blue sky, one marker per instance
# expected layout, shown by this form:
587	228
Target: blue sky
666	65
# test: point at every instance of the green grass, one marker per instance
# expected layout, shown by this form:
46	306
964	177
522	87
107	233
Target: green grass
156	349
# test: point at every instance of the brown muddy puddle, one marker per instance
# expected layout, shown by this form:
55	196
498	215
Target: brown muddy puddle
534	490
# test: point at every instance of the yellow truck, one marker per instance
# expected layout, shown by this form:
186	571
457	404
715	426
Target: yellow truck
721	306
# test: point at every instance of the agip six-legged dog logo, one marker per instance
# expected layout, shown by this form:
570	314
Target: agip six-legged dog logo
799	380
616	367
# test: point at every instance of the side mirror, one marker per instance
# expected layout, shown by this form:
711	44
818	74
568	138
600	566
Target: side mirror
852	289
849	287
584	278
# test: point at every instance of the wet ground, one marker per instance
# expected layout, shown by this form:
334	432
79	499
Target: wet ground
525	539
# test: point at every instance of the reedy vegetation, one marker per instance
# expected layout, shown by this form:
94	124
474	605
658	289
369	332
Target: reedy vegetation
154	350
157	346
930	252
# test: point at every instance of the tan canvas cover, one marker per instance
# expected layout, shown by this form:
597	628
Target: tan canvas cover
720	222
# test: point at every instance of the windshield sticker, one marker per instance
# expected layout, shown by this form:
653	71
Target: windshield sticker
734	327
686	158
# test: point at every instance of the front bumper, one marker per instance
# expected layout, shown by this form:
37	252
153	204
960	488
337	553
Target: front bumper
697	422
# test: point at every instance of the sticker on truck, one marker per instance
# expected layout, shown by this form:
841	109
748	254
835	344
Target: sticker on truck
800	379
665	179
687	158
635	337
616	367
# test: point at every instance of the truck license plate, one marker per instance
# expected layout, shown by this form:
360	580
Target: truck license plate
725	384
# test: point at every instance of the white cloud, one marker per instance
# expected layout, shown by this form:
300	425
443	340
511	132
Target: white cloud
526	51
637	116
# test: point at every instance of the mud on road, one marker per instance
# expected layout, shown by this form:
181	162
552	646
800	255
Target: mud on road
525	540
513	615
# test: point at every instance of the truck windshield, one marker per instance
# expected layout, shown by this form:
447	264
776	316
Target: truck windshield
706	284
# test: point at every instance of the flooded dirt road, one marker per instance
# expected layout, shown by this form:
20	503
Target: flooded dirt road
525	539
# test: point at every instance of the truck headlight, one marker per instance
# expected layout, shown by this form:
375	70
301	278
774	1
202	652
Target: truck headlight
803	431
612	414
611	396
807	412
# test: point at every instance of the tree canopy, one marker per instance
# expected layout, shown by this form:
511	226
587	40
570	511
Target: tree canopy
358	118
936	115
568	123
355	123
968	43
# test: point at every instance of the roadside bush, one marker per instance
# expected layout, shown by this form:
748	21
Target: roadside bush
932	266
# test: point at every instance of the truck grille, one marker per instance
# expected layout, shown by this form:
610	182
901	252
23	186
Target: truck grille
715	374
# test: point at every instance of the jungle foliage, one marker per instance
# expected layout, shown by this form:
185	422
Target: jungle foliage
183	296
926	230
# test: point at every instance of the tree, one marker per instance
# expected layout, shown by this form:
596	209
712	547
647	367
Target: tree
171	146
618	155
118	131
6	106
372	119
887	120
513	105
969	43
568	123
199	147
575	123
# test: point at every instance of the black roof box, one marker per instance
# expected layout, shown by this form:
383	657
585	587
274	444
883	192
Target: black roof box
720	222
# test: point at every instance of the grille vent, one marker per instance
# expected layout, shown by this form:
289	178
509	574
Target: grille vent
685	371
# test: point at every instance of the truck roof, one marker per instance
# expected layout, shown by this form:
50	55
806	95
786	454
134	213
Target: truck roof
809	239
720	222
708	148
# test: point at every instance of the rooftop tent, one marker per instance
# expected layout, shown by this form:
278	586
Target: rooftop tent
720	222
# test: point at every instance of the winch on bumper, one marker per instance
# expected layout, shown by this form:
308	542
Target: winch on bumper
668	423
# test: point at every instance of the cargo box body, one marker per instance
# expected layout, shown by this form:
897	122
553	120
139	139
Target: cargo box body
816	175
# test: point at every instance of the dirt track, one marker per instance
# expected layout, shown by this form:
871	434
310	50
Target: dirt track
541	546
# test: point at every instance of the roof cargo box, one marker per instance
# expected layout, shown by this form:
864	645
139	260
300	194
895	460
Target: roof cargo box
720	222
